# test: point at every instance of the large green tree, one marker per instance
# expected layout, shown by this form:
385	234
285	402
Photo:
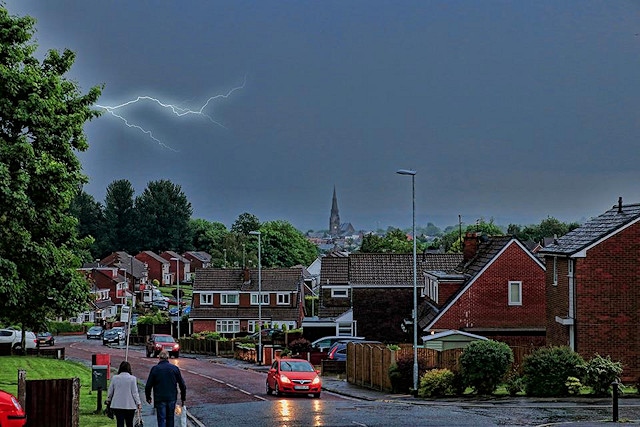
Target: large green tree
120	233
162	218
90	216
395	240
285	246
245	223
42	115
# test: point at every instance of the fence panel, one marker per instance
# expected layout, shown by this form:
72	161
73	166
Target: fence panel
53	403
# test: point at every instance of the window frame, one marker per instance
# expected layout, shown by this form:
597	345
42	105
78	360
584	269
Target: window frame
255	295
206	298
510	299
337	292
223	326
282	296
225	295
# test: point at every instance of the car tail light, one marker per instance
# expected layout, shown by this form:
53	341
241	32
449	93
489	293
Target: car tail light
333	351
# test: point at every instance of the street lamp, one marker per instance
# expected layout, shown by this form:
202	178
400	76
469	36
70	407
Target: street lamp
412	173
177	260
257	233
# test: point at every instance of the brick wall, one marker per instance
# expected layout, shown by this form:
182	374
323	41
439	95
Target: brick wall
607	287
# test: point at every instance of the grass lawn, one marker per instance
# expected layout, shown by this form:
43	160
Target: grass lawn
44	368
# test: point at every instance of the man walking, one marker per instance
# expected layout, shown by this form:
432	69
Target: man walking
164	379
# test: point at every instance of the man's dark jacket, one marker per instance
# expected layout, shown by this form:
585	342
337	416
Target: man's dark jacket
163	379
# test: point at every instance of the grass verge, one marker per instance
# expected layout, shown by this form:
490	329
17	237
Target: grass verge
43	368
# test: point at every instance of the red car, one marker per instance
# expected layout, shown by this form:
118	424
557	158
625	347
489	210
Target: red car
11	413
294	376
159	342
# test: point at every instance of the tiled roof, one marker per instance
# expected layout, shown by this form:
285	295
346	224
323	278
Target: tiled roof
395	269
155	256
334	270
487	251
220	279
594	230
200	255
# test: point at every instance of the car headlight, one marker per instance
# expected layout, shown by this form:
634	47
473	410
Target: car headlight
285	379
176	347
316	380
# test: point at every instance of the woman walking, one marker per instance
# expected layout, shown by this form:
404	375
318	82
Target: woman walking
123	396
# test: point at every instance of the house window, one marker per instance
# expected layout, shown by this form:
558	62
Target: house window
515	293
229	299
206	299
284	299
432	290
254	298
228	325
555	271
339	292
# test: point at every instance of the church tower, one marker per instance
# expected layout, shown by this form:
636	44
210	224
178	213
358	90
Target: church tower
334	220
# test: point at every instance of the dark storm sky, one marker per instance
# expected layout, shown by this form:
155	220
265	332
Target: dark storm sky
512	110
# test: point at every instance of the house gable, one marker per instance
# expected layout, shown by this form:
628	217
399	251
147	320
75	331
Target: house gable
482	303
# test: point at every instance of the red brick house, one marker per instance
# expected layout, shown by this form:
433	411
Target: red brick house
592	288
134	269
497	291
182	264
158	267
198	259
226	300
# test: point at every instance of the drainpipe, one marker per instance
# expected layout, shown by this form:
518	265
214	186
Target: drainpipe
572	302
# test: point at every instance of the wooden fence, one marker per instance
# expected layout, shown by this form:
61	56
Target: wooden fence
50	403
205	346
368	364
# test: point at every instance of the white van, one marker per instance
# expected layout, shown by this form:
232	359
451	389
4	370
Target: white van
324	343
14	337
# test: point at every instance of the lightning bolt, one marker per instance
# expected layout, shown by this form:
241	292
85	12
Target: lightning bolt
175	110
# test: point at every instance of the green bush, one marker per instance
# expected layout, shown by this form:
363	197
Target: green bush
573	386
300	345
62	327
401	373
484	363
436	382
599	372
513	381
546	371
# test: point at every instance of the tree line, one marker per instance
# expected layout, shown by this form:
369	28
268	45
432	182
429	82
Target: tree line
452	239
160	219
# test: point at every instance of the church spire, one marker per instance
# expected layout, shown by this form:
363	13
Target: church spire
334	220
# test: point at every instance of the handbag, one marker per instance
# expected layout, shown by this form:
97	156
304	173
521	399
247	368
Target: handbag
138	421
108	411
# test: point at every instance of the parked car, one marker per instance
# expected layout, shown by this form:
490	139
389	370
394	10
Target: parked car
159	342
95	333
113	335
45	338
161	304
294	376
338	351
11	413
14	337
325	343
173	311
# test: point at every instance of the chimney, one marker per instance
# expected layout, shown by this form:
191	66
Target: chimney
246	275
470	246
619	204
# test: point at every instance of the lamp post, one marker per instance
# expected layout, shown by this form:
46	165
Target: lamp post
412	173
177	260
257	233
